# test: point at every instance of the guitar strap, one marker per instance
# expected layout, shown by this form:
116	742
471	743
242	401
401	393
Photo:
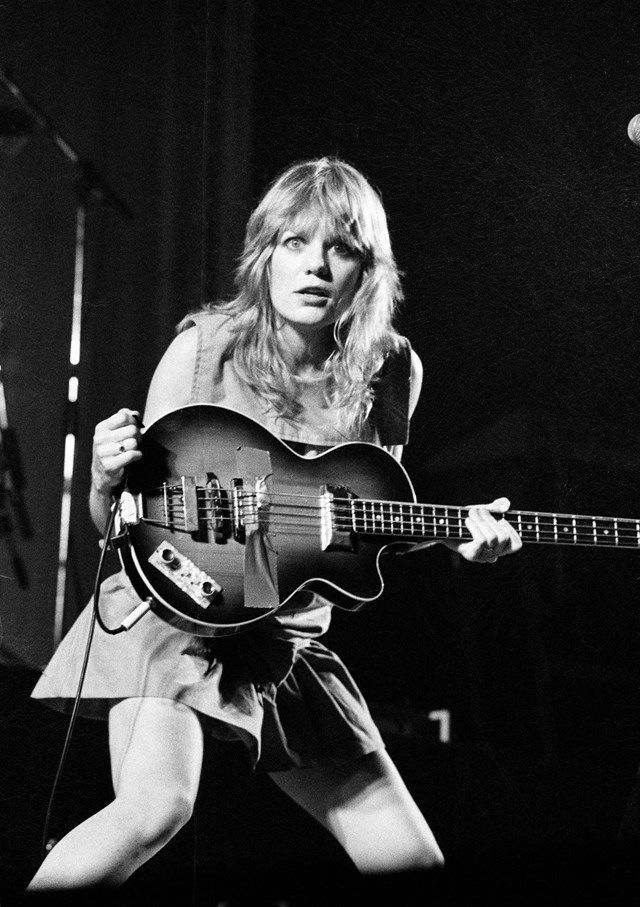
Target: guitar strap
260	555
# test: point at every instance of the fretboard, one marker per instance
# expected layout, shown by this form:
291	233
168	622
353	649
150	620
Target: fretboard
437	521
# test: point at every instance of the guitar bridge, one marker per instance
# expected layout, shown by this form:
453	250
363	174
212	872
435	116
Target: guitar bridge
336	519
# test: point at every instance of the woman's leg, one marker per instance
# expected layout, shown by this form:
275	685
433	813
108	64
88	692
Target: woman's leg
367	807
156	758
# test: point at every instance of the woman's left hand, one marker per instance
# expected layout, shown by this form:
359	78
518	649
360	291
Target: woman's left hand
492	538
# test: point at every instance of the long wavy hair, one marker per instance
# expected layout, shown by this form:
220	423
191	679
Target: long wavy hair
331	192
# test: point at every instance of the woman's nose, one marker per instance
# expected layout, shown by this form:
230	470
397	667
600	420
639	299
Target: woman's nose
316	260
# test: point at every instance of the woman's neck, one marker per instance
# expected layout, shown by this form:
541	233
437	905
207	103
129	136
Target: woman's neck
306	353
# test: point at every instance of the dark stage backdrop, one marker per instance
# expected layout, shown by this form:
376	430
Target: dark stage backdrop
496	132
158	97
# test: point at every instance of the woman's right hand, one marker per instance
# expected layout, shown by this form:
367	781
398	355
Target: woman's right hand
115	446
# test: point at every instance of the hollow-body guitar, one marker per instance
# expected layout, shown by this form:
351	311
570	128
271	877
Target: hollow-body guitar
221	523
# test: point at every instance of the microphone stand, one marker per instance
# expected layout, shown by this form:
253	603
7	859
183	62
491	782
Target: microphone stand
90	185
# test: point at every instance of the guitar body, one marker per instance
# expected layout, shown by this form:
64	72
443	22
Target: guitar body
203	442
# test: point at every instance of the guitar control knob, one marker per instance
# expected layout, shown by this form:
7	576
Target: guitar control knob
210	589
169	558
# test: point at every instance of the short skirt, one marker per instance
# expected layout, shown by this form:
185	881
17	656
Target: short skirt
276	688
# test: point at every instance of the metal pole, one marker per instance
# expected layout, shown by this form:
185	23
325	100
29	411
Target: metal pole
90	185
71	421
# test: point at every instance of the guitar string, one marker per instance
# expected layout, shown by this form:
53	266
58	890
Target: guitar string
529	537
624	523
346	513
177	490
430	529
551	520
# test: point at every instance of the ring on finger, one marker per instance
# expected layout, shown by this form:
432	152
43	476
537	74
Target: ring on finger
123	449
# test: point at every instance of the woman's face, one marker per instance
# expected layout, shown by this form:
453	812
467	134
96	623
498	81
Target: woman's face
314	276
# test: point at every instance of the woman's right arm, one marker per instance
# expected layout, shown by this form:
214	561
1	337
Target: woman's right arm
116	439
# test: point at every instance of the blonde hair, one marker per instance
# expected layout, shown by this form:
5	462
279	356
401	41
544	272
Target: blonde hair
333	192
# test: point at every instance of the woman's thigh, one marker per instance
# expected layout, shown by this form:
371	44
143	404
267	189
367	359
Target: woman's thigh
156	749
367	807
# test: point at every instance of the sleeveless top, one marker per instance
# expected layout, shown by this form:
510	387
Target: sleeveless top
275	688
215	380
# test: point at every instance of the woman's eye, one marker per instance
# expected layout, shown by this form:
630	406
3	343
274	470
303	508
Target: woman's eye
343	249
293	242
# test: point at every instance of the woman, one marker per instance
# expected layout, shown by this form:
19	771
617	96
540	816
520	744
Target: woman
307	348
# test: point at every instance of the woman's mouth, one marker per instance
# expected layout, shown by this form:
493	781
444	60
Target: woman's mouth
314	295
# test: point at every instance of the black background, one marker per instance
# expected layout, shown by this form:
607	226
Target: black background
496	133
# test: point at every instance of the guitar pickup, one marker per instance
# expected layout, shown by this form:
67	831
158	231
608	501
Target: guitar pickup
190	504
336	519
216	506
189	578
237	509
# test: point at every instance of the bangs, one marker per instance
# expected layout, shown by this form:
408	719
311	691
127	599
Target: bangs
330	207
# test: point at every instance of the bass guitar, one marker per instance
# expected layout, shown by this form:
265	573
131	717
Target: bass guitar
221	523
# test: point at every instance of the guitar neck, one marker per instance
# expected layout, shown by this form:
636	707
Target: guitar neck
436	521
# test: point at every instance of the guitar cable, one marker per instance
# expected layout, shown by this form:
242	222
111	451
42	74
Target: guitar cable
49	843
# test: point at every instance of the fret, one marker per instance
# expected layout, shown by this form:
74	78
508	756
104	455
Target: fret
617	537
595	532
537	529
354	515
377	518
531	528
584	530
520	525
575	536
605	531
563	528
